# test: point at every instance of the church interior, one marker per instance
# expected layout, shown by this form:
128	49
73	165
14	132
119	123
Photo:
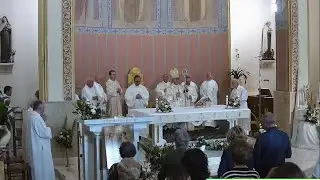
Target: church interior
53	50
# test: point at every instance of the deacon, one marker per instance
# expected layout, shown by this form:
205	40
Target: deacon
91	93
137	96
239	91
162	87
175	90
113	90
38	144
190	91
209	90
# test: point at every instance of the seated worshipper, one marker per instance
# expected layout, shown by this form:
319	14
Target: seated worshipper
162	87
239	91
38	145
209	90
196	163
7	92
91	93
175	90
271	148
128	168
113	90
172	167
287	170
137	96
227	162
241	154
316	173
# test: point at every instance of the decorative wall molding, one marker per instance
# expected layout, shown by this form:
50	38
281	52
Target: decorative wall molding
295	44
67	55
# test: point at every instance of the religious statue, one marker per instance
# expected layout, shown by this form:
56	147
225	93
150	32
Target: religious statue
133	13
267	54
6	52
194	13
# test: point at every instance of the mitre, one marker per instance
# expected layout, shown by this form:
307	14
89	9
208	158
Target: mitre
174	73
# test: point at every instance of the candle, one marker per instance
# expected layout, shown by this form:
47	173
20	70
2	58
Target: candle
227	100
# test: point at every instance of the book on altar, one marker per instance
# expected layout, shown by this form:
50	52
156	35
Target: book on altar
201	102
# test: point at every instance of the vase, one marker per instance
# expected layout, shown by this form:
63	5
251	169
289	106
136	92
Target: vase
5	135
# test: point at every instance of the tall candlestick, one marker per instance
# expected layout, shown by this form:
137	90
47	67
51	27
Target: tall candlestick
227	100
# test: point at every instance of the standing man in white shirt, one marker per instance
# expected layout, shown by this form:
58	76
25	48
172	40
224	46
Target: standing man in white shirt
190	91
137	96
162	87
113	90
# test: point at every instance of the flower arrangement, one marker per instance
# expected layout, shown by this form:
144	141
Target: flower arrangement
65	137
201	142
234	103
155	157
87	110
312	115
218	145
163	105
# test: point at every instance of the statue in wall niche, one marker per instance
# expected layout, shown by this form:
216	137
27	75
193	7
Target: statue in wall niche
6	53
266	51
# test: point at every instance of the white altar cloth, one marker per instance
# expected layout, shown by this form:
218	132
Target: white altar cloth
241	117
304	134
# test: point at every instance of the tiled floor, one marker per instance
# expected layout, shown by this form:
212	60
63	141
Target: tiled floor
306	159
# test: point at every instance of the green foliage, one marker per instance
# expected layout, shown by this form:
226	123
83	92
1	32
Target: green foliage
239	73
5	117
312	115
218	145
65	136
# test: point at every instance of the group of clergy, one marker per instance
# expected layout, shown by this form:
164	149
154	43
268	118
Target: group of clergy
137	96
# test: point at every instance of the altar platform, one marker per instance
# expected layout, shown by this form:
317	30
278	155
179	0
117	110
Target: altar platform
304	158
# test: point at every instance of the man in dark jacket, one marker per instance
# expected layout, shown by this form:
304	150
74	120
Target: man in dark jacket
271	148
172	167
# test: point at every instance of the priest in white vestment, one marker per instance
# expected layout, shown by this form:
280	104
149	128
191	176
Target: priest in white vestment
190	91
239	91
190	94
137	96
209	94
92	92
162	87
38	145
113	90
175	91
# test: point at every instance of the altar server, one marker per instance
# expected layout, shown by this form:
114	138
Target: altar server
113	90
137	96
162	87
92	93
209	90
239	91
38	144
175	90
190	90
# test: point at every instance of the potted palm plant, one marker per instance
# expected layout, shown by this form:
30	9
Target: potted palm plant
5	124
239	73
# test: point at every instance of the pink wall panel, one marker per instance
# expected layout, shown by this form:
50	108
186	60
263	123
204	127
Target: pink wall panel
96	54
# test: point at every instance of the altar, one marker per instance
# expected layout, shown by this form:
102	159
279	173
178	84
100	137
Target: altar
192	114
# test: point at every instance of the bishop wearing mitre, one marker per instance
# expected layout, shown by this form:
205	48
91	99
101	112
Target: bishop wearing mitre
175	90
113	90
162	87
137	96
239	91
92	93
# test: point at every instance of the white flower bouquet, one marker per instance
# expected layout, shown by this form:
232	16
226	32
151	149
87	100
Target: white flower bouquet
218	145
234	103
163	105
312	115
86	110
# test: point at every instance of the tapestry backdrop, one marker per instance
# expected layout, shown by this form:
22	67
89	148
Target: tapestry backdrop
153	35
